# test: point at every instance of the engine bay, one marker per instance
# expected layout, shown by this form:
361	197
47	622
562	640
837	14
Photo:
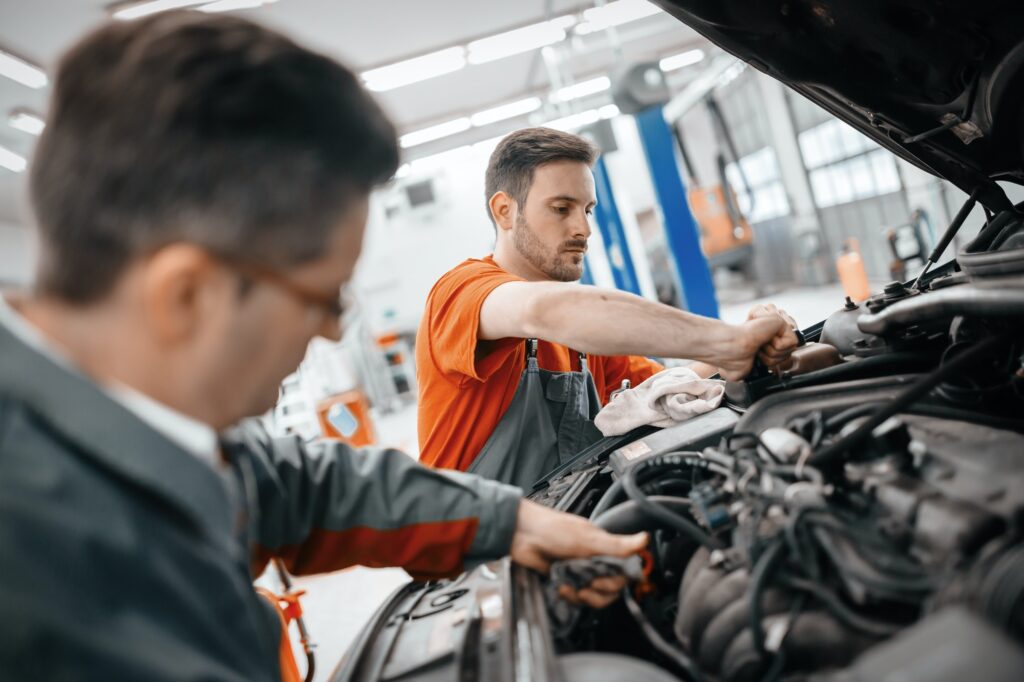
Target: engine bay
855	516
837	519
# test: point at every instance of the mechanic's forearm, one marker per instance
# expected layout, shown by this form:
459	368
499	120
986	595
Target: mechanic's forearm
609	322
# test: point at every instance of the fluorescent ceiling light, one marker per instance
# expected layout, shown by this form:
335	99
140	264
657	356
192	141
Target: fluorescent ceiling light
137	10
432	133
439	160
26	122
12	161
416	69
574	121
231	5
519	40
510	110
488	145
678	61
583	118
614	14
19	70
583	88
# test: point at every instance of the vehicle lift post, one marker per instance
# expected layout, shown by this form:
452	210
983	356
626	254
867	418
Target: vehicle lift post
681	231
609	222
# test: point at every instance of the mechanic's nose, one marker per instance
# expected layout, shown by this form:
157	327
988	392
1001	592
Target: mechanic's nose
582	228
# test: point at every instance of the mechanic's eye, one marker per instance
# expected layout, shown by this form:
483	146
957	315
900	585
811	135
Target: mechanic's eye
562	210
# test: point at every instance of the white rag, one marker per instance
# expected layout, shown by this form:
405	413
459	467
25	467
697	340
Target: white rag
668	397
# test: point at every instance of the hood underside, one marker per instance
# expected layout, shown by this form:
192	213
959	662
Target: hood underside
940	83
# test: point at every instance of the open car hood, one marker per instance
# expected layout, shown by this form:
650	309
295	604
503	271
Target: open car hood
895	70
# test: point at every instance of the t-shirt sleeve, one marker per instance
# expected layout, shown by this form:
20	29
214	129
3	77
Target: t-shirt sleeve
636	368
453	324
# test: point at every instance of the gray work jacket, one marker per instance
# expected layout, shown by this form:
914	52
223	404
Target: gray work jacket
123	557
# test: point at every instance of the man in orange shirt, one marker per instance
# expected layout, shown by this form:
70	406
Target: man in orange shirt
514	358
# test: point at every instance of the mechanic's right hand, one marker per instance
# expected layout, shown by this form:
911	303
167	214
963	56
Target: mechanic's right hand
777	351
751	337
543	535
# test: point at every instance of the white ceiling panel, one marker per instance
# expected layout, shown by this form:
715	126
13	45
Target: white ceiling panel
365	35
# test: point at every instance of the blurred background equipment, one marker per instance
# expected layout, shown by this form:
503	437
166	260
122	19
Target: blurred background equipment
909	244
852	274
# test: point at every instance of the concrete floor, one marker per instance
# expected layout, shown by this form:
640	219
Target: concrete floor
806	305
337	605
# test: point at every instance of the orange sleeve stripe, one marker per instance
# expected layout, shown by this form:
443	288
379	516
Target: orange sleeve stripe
426	550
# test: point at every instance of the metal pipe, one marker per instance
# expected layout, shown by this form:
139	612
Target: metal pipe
307	645
951	231
996	298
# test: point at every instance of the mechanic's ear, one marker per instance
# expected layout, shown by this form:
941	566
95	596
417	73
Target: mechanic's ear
175	292
502	210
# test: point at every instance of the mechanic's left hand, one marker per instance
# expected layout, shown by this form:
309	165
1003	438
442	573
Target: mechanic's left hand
778	350
543	535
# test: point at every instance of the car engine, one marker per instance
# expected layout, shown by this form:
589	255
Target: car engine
842	519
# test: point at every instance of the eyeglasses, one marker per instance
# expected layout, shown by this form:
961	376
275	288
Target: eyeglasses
331	306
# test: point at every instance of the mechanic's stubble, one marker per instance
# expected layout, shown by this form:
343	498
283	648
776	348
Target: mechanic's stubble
549	233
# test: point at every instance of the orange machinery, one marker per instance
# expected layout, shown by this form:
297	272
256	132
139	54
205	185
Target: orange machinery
346	416
852	274
726	240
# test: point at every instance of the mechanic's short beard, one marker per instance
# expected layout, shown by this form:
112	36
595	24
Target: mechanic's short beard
532	249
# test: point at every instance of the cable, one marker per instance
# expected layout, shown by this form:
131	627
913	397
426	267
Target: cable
673	653
843	613
951	123
929	410
629	517
611	495
953	119
892	586
779	661
758	577
914	393
839	420
670	518
608	499
668	486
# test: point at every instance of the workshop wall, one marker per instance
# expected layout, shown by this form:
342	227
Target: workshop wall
409	245
17	255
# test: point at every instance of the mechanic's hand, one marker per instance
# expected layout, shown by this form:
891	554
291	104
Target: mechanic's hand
543	535
749	339
782	345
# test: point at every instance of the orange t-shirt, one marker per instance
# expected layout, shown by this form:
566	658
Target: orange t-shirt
463	393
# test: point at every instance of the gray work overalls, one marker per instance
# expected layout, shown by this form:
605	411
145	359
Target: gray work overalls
550	419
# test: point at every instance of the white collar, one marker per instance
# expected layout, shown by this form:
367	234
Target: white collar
190	434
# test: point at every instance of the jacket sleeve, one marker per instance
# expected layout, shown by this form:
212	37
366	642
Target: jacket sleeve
325	506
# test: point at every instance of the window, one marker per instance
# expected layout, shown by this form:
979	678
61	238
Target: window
744	114
761	170
844	165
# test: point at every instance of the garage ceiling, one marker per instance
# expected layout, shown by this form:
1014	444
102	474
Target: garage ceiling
369	35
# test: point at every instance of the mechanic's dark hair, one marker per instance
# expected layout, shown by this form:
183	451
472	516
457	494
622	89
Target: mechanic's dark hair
184	127
513	161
